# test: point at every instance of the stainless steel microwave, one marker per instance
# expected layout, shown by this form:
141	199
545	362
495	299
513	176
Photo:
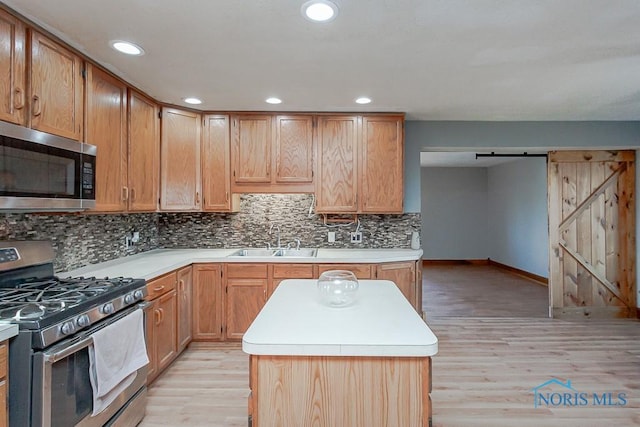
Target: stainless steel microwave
44	172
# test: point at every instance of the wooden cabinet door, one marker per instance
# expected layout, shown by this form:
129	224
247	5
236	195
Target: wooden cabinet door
336	183
12	69
152	321
144	153
251	155
166	340
403	274
245	298
207	302
106	128
280	272
362	271
56	88
216	169
180	160
185	307
294	149
382	168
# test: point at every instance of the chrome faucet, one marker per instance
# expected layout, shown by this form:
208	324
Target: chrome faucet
278	235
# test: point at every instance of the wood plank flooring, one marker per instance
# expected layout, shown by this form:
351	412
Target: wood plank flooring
484	373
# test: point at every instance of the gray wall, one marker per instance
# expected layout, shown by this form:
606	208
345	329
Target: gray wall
454	213
517	215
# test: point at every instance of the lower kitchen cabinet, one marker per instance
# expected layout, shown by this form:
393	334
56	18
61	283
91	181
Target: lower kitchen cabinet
207	302
280	272
161	323
246	294
403	274
185	304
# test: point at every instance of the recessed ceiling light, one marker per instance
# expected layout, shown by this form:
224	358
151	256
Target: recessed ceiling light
363	100
192	100
127	47
273	100
319	10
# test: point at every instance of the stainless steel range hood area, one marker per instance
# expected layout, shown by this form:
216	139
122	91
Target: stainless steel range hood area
41	172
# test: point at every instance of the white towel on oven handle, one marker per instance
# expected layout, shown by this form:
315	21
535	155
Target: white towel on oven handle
117	352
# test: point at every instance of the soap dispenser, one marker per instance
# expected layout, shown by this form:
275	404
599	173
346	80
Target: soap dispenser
415	240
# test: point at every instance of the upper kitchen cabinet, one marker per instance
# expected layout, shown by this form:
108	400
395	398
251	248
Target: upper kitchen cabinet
382	170
360	164
12	68
180	185
216	168
272	153
144	153
336	184
294	149
106	128
57	88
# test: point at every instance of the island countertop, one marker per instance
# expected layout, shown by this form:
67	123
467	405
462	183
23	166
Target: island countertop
380	323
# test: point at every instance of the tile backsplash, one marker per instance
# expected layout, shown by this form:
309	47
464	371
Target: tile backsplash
81	239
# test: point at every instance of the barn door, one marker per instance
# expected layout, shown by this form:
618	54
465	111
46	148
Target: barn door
592	233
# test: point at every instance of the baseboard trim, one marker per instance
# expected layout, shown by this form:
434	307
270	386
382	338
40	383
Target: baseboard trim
538	279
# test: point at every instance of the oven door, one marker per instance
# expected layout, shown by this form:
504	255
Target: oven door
64	397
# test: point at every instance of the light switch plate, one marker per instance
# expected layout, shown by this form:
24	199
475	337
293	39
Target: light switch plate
331	236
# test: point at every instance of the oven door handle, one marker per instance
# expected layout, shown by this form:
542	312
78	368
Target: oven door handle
66	351
59	353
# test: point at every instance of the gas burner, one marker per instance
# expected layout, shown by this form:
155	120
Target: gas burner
30	311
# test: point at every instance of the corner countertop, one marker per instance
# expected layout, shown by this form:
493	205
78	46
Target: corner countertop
381	323
151	264
8	331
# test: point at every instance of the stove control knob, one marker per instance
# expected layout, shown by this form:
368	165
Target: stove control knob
67	328
83	321
129	299
107	308
138	295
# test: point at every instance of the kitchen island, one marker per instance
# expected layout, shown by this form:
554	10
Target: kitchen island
368	364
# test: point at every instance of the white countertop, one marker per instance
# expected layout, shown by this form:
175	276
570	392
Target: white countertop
155	263
8	331
380	323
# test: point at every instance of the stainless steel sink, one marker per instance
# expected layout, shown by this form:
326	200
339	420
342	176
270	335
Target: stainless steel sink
256	252
302	252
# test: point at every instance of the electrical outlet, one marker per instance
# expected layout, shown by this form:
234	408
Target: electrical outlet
331	236
356	237
127	241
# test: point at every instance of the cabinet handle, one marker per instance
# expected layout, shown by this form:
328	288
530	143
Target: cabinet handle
158	289
197	197
181	284
18	101
226	195
36	106
133	194
125	194
156	313
161	314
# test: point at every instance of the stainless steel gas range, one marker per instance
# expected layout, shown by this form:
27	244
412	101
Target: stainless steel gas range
53	357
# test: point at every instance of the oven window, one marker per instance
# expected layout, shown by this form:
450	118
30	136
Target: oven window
33	170
71	393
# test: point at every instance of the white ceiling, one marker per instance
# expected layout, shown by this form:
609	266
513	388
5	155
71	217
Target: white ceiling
433	59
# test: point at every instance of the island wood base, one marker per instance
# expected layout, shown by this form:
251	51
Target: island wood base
339	391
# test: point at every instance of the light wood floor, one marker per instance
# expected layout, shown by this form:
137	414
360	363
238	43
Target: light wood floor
483	374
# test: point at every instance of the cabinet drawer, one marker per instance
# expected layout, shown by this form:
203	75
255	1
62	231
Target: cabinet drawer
362	271
3	359
161	286
247	271
293	271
